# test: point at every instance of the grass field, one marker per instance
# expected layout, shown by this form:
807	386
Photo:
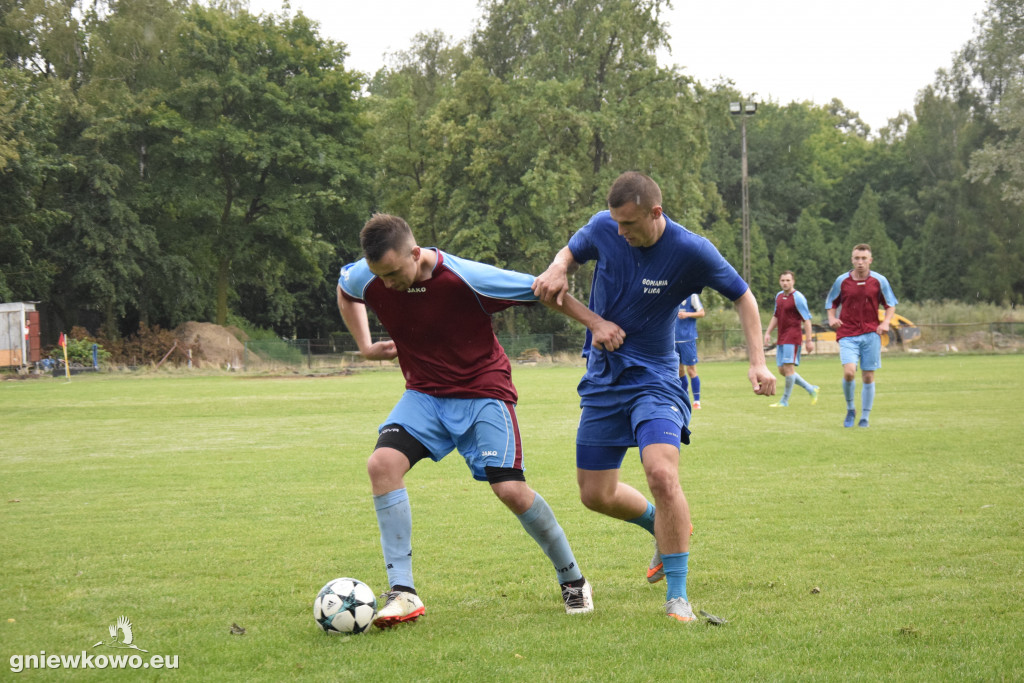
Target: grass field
190	504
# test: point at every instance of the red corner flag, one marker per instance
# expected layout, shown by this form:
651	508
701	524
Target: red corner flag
62	341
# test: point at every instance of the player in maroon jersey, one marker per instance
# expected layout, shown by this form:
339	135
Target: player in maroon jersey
459	394
859	294
792	317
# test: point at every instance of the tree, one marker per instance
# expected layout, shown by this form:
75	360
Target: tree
814	266
1003	160
258	145
867	227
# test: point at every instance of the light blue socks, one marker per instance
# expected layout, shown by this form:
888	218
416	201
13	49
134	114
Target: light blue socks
675	575
539	521
394	519
848	386
645	520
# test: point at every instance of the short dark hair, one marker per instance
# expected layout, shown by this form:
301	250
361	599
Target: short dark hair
788	272
634	187
863	247
382	233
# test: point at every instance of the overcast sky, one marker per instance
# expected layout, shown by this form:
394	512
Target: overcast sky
874	55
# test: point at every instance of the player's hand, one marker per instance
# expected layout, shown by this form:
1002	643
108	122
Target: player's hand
762	380
883	327
835	324
809	346
551	285
607	336
383	350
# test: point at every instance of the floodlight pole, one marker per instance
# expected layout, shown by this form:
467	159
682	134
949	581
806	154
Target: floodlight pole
743	110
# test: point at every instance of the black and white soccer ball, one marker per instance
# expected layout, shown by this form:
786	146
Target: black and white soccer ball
345	606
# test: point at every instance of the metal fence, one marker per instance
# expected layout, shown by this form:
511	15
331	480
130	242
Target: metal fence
721	344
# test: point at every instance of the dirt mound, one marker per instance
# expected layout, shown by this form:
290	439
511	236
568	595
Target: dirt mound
217	345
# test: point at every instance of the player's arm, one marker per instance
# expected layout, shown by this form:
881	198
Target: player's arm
761	379
883	326
553	283
604	334
808	336
354	315
830	304
771	326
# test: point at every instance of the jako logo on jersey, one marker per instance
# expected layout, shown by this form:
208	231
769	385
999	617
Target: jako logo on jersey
485	453
416	290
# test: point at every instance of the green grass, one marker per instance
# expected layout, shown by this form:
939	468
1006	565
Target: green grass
192	503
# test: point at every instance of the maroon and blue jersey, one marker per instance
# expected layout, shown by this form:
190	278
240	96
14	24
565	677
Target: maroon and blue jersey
859	301
790	313
442	326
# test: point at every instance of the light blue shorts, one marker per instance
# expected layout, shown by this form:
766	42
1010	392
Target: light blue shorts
787	354
484	430
864	349
687	352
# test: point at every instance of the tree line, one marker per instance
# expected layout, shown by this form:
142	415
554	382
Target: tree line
164	161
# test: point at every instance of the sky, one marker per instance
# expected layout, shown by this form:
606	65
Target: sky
874	55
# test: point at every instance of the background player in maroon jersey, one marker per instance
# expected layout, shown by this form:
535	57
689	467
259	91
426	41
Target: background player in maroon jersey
859	293
792	317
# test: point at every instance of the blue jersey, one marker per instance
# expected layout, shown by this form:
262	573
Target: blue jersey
686	328
639	289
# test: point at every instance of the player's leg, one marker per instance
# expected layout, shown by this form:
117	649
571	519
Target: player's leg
688	359
871	360
867	397
672	524
411	432
849	356
492	446
601	490
538	519
691	370
800	381
784	359
395	454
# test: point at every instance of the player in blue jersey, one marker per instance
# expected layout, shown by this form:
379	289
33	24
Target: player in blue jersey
459	394
645	265
793	319
686	344
859	294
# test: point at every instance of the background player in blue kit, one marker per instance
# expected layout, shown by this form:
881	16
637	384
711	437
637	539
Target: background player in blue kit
686	344
859	294
793	319
645	265
459	392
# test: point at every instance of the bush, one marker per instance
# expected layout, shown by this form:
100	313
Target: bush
79	348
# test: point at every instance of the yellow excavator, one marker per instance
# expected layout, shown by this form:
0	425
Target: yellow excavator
900	329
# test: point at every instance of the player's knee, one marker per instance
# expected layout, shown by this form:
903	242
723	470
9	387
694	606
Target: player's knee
386	465
594	499
663	481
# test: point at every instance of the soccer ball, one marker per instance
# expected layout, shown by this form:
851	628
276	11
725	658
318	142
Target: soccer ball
345	606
